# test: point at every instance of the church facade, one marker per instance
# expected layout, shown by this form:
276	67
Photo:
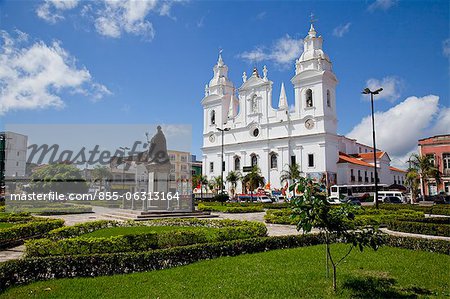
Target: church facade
255	133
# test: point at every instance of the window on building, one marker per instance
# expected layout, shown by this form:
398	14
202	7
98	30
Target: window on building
359	176
237	164
18	154
446	163
172	177
352	175
172	157
310	160
328	98
183	167
366	178
254	160
213	117
183	159
431	159
309	98
17	163
273	161
293	160
359	150
211	166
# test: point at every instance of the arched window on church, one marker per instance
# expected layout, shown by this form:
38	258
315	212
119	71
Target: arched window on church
328	98
273	160
254	160
254	103
213	117
309	98
237	163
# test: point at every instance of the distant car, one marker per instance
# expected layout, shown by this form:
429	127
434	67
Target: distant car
352	200
392	199
280	198
264	199
333	200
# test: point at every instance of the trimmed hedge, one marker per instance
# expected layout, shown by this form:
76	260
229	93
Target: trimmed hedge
439	209
281	216
228	209
275	205
139	242
24	271
364	216
80	229
16	217
15	235
420	228
436	246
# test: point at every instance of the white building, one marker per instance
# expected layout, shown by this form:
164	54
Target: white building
15	154
272	138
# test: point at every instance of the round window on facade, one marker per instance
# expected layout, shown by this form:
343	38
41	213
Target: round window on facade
256	132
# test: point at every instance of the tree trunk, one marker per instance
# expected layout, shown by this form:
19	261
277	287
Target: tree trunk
327	267
334	278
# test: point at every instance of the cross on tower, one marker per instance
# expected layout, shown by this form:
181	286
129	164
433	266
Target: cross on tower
312	20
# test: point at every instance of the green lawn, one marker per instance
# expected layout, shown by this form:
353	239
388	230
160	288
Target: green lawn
292	273
116	231
6	224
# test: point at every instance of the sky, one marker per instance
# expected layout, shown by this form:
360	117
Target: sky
147	62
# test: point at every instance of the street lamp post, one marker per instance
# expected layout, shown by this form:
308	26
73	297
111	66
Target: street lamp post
368	91
221	165
124	148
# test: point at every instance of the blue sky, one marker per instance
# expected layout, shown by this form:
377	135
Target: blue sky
147	62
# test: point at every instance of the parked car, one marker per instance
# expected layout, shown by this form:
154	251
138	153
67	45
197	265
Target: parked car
391	199
263	199
352	200
333	200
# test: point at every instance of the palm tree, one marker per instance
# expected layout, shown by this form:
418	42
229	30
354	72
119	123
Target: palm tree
218	183
203	180
426	170
291	174
100	173
233	177
413	182
253	180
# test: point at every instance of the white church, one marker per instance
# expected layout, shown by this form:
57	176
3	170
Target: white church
255	133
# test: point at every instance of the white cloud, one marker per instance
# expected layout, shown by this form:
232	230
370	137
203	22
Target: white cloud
446	48
201	22
382	5
341	30
261	15
283	52
399	128
33	76
392	87
112	18
51	10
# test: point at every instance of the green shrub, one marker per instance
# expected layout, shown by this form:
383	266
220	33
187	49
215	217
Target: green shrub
437	246
16	217
437	220
382	217
27	270
80	229
439	209
281	216
15	235
75	246
138	242
231	209
420	228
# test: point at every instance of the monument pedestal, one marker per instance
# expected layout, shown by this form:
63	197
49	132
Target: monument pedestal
158	187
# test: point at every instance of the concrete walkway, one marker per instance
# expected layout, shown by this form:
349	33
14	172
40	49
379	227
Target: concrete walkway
272	229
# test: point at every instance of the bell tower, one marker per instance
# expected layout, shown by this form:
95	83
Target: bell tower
315	85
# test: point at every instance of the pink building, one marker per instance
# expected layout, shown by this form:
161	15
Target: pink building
437	148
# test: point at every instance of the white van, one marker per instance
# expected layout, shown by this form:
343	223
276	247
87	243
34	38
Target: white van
383	194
